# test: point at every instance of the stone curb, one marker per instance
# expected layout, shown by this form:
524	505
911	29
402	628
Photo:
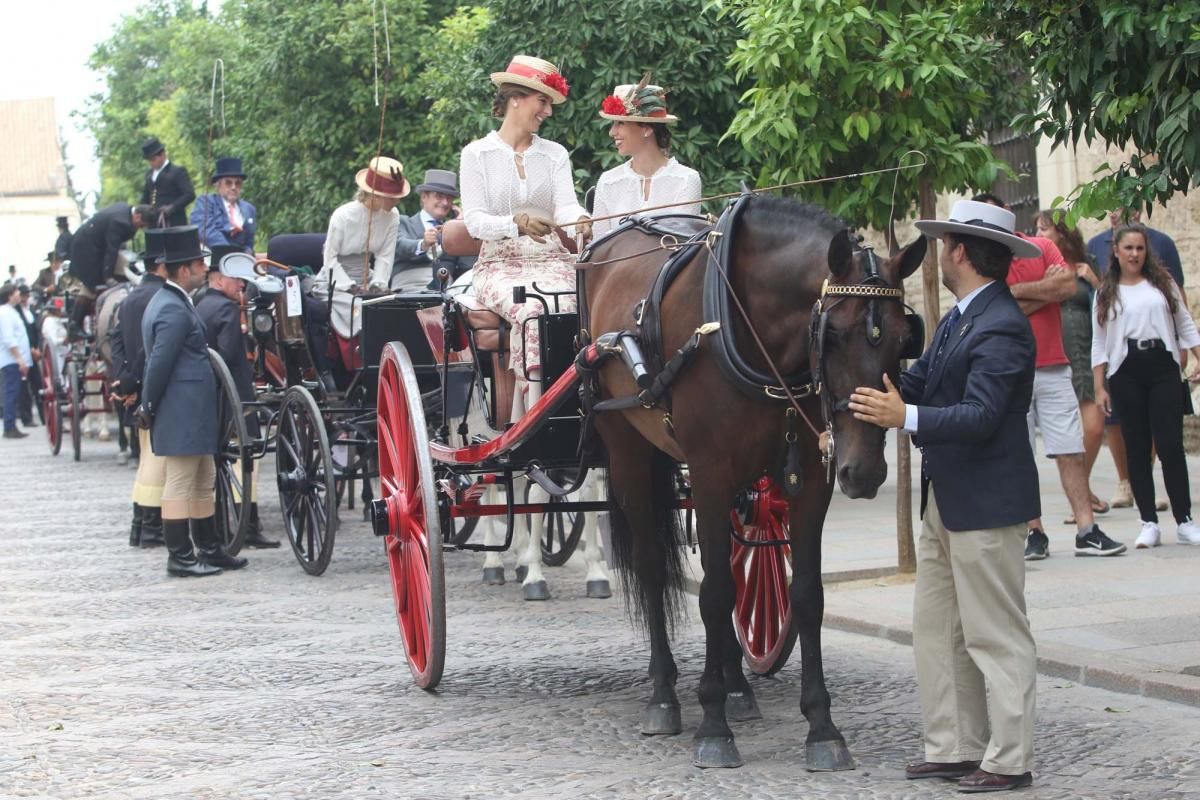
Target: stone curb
1080	665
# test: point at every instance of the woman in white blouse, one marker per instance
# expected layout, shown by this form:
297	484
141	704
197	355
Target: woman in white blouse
651	177
372	216
1140	326
516	188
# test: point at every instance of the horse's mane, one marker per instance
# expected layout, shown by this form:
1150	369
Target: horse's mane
780	215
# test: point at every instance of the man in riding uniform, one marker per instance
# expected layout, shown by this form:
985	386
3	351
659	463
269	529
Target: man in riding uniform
418	254
62	245
221	312
47	277
168	187
965	402
178	405
226	220
128	360
96	246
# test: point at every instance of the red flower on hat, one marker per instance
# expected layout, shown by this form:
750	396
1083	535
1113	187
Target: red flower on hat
615	106
558	83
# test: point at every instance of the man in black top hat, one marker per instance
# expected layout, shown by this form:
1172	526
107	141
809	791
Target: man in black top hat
221	312
168	187
62	245
47	278
418	254
223	217
178	389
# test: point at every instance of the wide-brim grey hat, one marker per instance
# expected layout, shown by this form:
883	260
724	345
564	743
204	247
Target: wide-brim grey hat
971	218
442	181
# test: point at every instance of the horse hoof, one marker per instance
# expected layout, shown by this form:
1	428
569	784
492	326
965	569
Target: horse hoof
493	576
741	706
522	571
829	756
661	719
716	752
599	590
538	590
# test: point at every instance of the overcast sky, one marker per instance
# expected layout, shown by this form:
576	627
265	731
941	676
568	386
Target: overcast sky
45	55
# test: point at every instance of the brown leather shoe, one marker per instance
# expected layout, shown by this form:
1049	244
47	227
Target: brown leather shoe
937	769
983	781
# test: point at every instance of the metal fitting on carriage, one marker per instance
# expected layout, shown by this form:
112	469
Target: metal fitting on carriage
631	354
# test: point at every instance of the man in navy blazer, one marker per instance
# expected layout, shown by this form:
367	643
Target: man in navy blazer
223	217
965	402
179	401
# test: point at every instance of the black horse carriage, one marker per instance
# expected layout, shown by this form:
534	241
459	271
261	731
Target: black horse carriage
434	471
320	430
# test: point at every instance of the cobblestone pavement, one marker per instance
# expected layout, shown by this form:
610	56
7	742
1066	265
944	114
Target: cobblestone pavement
117	682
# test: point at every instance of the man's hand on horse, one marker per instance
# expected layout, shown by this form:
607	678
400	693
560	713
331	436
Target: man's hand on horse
885	409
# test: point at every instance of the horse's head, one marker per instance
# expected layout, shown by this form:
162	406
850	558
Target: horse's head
860	331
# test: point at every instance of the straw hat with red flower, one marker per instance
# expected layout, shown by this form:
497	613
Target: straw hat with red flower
642	102
537	74
383	177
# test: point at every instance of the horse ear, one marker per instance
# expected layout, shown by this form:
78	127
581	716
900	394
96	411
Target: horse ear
911	257
841	254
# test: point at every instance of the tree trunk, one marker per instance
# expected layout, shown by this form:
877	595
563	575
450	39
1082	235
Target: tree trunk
906	556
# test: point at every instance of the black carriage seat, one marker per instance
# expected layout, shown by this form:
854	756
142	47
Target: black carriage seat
483	333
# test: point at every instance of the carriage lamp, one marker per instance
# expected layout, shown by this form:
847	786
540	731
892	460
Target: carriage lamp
264	321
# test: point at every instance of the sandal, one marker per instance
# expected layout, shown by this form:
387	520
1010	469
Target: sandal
1099	506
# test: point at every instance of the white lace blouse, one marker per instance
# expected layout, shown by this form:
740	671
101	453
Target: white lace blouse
620	191
492	190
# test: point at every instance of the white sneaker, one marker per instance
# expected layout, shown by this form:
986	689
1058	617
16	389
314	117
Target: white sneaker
1152	537
1189	533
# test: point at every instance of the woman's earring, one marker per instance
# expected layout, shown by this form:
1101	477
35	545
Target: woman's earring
644	135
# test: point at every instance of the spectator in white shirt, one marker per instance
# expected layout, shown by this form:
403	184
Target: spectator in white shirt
1140	326
15	356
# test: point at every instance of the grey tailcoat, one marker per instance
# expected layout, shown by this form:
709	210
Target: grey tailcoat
179	389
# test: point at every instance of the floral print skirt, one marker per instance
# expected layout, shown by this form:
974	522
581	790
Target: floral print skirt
523	262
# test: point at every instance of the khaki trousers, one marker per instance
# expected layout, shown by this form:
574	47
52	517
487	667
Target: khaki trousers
151	474
976	664
189	487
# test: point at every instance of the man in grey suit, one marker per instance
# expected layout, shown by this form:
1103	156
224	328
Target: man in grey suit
419	254
178	404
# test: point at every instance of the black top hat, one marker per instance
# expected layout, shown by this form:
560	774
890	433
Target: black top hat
60	221
154	247
152	147
440	180
181	244
228	168
218	252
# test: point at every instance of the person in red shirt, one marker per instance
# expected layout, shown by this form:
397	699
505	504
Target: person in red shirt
1039	285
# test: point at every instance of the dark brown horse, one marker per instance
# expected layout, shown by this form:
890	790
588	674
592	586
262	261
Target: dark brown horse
781	254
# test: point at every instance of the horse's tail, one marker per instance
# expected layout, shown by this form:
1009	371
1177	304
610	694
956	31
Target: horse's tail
663	571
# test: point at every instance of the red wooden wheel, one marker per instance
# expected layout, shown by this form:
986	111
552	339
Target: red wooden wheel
762	612
414	537
51	402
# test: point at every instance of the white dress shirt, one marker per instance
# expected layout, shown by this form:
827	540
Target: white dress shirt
620	191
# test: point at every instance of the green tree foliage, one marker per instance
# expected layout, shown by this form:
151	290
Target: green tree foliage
598	46
150	64
299	98
1126	73
841	86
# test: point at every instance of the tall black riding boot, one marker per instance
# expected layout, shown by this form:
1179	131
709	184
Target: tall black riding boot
152	526
208	549
135	527
181	559
254	537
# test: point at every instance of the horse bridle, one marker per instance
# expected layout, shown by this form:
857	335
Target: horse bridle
874	288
